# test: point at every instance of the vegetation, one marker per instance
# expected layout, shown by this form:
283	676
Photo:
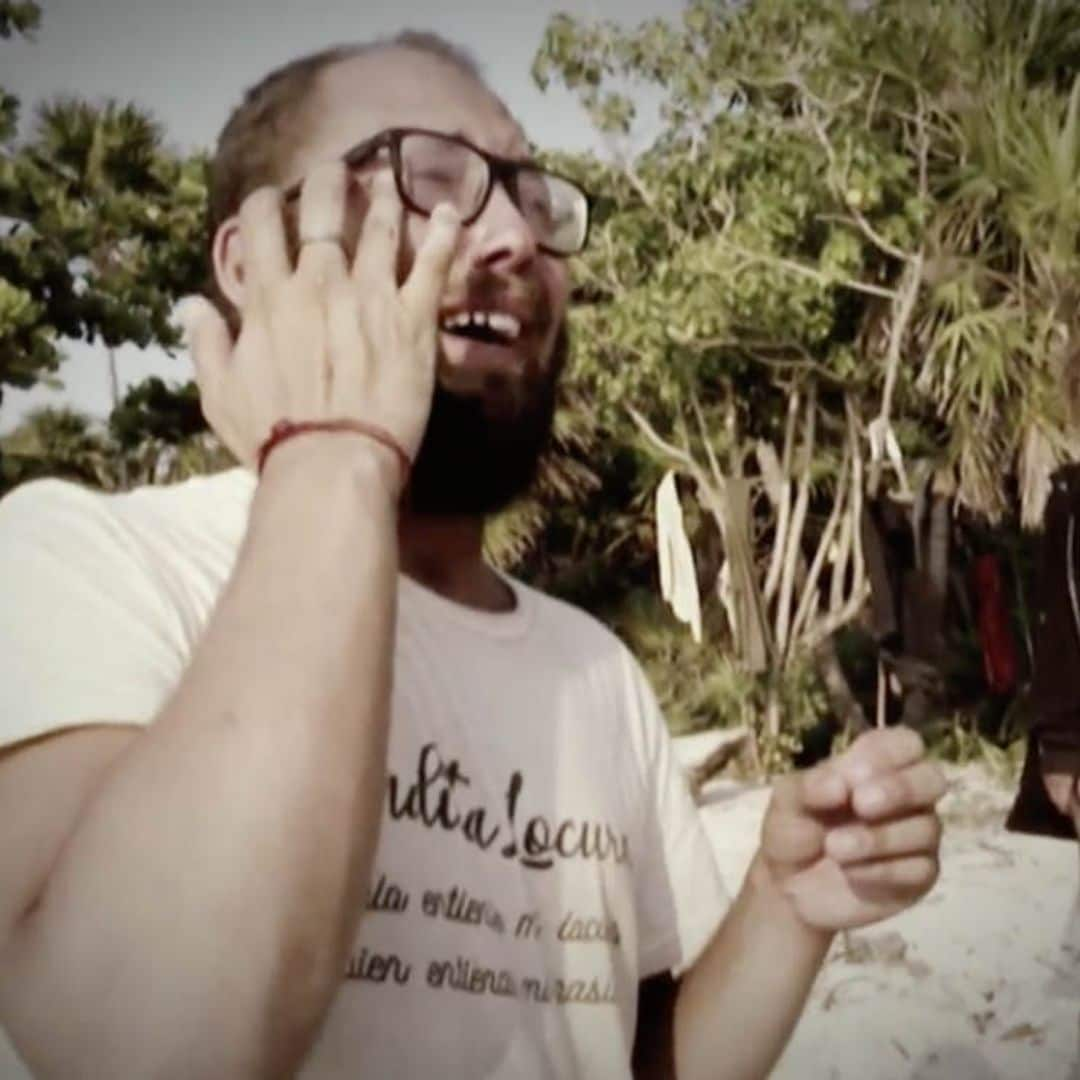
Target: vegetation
846	269
843	270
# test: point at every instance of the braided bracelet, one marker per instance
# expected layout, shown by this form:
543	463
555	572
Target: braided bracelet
286	429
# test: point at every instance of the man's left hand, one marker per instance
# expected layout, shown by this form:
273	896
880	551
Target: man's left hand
855	839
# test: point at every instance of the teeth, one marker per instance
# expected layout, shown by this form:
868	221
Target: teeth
505	324
498	321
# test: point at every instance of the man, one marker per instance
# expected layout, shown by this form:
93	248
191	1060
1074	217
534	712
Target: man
1047	802
455	793
1048	799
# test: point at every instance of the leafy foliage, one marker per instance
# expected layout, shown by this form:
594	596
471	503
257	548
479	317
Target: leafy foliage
102	231
847	262
874	208
105	231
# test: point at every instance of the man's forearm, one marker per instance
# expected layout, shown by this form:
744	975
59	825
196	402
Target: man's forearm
740	1002
206	899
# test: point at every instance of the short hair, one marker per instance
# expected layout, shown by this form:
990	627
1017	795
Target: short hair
256	144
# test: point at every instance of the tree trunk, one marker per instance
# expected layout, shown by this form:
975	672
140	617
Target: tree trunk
846	708
114	388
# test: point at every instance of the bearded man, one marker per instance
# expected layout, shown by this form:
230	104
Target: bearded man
295	783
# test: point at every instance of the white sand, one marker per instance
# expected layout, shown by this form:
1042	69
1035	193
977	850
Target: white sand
971	984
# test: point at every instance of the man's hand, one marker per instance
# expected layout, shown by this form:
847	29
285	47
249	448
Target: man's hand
323	340
1061	775
855	839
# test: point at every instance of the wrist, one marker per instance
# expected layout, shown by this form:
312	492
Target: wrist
369	464
329	504
771	898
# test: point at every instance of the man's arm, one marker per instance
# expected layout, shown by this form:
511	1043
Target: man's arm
196	919
847	843
739	1004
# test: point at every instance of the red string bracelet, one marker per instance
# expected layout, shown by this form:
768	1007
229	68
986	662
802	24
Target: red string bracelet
286	429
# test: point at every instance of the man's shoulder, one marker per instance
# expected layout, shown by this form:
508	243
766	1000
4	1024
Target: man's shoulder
576	626
53	515
217	501
175	542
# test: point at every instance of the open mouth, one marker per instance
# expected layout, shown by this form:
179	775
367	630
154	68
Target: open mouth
487	327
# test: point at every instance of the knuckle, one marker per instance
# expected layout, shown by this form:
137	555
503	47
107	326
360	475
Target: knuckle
879	737
903	790
889	873
260	203
382	222
912	740
864	845
771	826
783	788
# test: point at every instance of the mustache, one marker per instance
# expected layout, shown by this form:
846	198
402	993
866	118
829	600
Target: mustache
479	287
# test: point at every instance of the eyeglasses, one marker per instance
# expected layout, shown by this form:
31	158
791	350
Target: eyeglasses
431	168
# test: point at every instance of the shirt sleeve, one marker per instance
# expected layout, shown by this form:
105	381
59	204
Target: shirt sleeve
85	628
680	896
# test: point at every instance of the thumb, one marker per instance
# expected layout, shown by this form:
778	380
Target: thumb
210	343
204	331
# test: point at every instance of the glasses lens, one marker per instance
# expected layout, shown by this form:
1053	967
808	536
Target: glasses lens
557	210
436	170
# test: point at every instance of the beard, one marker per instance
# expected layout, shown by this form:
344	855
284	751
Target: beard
481	451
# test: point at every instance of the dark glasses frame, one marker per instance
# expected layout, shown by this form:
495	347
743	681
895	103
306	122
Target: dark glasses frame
501	170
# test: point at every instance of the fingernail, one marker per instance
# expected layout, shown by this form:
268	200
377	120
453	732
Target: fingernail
845	843
861	770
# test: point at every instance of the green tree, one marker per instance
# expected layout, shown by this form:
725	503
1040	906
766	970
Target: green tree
847	264
105	231
58	443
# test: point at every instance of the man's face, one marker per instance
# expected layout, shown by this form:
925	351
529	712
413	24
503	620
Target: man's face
493	404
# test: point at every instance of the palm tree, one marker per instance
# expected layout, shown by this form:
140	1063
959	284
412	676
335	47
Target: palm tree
56	442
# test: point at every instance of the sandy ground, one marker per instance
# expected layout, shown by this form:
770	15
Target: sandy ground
972	984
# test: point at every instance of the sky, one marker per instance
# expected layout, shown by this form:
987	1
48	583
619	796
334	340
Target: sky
189	62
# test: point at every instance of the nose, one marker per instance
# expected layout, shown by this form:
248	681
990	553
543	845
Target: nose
506	240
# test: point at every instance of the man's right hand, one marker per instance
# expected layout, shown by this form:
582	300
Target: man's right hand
247	808
324	340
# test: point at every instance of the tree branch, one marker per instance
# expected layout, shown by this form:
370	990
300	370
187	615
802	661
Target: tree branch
810	596
808	271
798	521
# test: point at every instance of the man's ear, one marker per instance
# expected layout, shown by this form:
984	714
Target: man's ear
228	255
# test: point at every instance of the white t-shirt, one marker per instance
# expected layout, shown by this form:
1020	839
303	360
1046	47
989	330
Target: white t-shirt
539	854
